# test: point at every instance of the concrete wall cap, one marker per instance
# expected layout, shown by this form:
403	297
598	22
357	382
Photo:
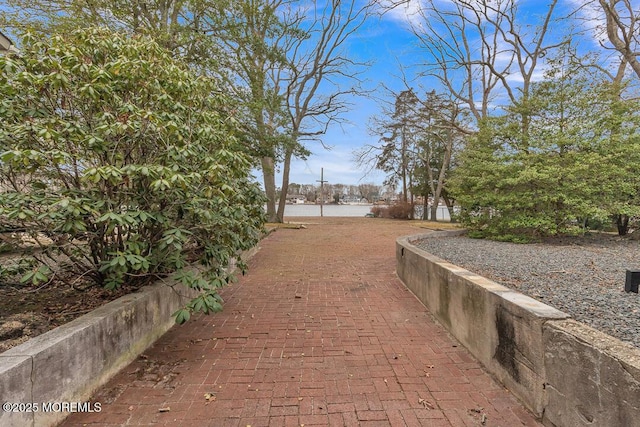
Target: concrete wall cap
604	342
534	306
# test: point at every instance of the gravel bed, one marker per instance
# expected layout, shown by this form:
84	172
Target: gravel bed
583	276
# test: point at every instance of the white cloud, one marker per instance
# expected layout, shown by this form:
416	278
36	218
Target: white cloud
406	12
591	19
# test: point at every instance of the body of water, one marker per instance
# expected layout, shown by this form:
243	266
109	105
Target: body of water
347	210
327	210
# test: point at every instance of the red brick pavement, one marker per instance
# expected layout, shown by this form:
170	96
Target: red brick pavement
320	332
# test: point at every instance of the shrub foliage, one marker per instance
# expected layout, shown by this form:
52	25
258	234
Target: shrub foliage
397	210
562	158
126	162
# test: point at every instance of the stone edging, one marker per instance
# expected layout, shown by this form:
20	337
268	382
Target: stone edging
69	363
565	372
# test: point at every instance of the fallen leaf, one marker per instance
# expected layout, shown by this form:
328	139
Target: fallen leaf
424	403
167	409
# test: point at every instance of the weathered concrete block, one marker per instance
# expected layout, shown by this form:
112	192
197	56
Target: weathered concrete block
69	363
500	327
592	379
14	372
564	371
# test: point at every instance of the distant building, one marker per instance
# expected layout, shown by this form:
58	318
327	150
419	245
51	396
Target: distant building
296	199
352	199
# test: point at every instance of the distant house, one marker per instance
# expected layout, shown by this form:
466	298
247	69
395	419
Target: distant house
352	199
296	199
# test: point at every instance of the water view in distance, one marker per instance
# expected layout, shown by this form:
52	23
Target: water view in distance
343	210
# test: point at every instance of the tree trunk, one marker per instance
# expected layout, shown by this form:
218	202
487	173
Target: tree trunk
622	222
434	210
268	174
286	168
412	201
449	202
614	27
425	207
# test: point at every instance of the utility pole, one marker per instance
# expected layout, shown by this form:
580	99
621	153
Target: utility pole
322	181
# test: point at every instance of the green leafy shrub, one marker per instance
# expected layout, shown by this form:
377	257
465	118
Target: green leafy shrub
126	161
568	151
475	234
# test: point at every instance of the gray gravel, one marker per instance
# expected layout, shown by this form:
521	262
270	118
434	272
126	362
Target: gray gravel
583	277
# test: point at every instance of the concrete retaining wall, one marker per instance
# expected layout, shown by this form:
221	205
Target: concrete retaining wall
69	363
566	373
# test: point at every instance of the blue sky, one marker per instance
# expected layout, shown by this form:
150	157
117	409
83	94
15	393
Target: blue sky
384	42
387	41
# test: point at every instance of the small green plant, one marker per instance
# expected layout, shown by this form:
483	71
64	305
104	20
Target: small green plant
513	238
476	234
14	271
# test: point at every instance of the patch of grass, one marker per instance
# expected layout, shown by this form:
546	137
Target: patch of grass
432	225
275	225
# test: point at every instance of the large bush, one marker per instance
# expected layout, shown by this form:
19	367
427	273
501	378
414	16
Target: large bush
397	210
126	162
567	155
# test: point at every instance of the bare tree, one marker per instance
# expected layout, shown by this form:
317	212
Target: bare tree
479	50
418	137
257	36
369	191
622	20
442	135
318	60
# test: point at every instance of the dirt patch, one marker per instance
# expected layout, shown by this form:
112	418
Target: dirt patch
28	311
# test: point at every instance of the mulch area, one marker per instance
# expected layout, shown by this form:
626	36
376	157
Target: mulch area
27	311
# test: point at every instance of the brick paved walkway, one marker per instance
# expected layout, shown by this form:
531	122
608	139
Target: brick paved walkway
320	333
